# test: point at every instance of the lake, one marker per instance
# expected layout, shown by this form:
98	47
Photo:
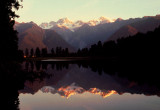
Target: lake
87	86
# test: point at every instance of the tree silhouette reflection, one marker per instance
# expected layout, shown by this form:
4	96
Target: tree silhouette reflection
131	70
13	78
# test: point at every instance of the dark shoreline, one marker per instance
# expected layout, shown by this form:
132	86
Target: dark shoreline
73	58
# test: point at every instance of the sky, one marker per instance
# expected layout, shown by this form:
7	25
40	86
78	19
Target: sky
40	11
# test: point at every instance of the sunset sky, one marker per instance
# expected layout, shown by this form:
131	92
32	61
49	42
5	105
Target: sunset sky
40	11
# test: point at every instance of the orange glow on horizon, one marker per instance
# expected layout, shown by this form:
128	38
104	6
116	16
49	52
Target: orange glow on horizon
68	92
103	94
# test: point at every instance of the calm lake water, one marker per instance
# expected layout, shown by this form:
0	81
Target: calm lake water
71	86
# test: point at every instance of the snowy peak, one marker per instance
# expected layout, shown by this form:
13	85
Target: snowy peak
73	25
79	22
61	23
64	21
46	25
92	22
104	20
61	26
52	23
101	20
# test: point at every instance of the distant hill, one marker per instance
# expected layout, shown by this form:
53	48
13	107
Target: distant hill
143	26
32	36
125	31
64	31
52	40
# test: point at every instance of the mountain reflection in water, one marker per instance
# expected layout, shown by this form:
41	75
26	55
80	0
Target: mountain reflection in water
81	85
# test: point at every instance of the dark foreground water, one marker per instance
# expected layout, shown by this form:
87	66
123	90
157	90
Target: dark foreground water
81	86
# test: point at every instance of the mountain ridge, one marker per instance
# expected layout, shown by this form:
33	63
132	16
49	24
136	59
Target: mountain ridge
143	26
73	25
32	36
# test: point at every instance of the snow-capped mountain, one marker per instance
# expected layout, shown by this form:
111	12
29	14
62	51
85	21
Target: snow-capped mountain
105	20
64	21
73	25
101	20
81	34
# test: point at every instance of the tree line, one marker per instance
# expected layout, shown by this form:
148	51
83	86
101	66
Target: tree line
57	52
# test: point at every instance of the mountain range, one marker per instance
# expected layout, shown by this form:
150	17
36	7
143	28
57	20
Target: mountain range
79	34
148	23
65	22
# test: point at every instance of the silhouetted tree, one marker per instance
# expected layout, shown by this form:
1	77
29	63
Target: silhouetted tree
44	65
38	52
110	48
32	65
52	51
53	65
44	52
84	52
32	52
79	52
27	52
38	65
58	51
66	52
99	44
27	66
93	50
9	40
20	55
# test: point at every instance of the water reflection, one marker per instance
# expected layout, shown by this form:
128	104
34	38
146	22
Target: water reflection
80	86
85	77
12	79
